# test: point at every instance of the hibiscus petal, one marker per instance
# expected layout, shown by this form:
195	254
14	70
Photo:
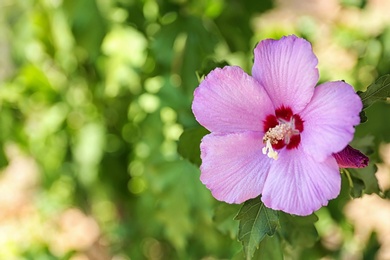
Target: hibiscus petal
351	158
298	184
286	68
229	100
233	166
329	119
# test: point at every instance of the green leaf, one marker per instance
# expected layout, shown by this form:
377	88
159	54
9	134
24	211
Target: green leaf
367	175
269	248
209	65
365	144
256	221
239	256
363	180
297	230
357	189
379	90
363	117
379	125
189	144
224	219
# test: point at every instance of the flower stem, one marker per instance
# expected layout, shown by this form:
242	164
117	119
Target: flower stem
348	177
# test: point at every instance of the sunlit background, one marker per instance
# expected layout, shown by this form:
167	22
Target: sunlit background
94	95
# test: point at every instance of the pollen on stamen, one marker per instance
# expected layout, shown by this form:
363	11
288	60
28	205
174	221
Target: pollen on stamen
273	136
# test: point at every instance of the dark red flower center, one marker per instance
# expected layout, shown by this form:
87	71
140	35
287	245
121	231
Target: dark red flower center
281	130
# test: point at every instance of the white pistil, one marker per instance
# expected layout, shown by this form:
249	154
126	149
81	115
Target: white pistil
273	136
269	151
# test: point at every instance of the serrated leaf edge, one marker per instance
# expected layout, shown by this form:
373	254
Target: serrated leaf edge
385	85
270	228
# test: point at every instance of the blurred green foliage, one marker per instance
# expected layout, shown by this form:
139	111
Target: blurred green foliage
98	93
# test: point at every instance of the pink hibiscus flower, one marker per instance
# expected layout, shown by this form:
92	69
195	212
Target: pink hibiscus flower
275	133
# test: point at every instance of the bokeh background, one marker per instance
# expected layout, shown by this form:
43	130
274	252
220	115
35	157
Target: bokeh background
94	95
